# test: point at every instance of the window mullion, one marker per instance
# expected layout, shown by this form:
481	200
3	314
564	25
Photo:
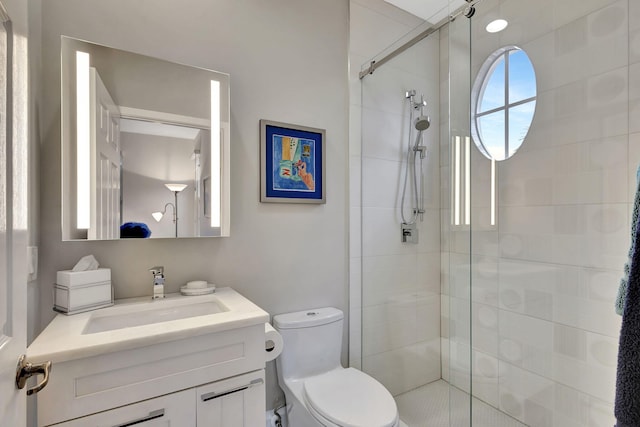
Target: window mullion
506	104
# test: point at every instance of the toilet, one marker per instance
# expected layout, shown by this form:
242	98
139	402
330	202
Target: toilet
318	390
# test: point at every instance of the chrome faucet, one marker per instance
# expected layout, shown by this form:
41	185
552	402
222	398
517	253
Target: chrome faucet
158	281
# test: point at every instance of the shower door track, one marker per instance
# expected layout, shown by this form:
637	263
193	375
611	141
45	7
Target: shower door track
374	65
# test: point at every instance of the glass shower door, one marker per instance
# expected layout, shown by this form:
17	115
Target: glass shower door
456	221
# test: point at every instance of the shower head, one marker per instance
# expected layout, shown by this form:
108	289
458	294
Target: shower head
422	123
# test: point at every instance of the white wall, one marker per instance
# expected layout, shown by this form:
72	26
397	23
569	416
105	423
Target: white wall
395	287
288	62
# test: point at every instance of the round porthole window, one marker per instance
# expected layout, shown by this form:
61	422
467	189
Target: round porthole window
503	102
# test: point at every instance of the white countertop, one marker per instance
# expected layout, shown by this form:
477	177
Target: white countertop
63	339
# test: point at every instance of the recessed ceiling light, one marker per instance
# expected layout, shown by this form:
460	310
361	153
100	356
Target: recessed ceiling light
496	25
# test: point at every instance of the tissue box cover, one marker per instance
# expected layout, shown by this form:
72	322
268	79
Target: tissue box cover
71	300
79	278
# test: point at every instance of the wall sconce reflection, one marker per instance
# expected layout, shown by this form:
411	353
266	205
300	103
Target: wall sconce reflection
175	188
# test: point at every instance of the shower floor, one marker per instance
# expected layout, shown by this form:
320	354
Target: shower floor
428	406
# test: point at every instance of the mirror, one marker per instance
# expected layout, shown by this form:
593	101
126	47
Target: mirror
145	146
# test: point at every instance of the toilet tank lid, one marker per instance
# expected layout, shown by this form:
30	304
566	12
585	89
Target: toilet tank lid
307	318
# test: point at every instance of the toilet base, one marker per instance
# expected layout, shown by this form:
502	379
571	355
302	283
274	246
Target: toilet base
298	415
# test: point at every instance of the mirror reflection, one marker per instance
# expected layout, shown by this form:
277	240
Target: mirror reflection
145	146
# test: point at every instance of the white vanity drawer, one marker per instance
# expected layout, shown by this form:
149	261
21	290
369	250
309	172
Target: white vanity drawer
176	409
85	386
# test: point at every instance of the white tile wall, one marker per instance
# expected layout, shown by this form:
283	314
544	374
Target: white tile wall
544	280
547	275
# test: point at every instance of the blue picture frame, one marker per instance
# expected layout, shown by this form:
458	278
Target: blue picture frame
292	162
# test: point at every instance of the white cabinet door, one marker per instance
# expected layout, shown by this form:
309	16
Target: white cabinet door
234	402
171	410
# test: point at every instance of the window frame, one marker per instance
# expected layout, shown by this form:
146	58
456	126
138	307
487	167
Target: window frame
477	95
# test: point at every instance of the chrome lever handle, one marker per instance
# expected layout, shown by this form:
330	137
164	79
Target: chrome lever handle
26	370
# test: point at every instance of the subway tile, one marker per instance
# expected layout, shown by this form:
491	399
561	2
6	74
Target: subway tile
522	391
355	283
484	280
428	265
381	184
634	98
355	130
405	368
633	167
567	11
589	378
485	378
388	278
384	134
527	21
381	233
600	285
602	350
429	231
484	329
533	336
355	181
595	316
355	232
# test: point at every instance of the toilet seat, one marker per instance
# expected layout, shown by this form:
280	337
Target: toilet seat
350	398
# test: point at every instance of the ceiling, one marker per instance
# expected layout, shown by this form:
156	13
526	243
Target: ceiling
431	11
157	129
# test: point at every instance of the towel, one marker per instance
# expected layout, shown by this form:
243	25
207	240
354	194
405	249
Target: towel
627	405
622	288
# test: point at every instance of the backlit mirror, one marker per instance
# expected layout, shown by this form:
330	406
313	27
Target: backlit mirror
145	146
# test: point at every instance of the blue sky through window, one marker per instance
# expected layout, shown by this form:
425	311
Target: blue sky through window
501	129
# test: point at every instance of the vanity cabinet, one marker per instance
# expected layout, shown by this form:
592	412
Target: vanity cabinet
233	402
216	378
183	361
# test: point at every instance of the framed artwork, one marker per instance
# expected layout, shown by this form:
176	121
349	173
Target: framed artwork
292	162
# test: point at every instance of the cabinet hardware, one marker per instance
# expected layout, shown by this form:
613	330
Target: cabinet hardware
215	395
158	413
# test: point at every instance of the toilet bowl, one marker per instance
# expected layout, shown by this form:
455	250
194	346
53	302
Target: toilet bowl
318	390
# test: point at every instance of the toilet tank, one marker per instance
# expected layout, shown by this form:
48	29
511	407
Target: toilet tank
312	342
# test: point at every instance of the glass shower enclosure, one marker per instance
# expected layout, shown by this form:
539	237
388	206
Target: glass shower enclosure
502	311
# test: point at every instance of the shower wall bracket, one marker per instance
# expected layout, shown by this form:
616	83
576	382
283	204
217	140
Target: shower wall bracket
409	233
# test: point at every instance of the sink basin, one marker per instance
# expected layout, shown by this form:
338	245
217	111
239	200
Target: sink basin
153	312
138	322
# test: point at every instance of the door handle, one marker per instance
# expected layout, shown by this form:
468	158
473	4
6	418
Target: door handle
26	370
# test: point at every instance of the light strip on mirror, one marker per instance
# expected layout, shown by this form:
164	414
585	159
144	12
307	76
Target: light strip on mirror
493	192
216	173
467	180
456	177
83	141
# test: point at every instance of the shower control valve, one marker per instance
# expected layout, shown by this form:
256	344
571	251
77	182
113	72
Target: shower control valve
409	233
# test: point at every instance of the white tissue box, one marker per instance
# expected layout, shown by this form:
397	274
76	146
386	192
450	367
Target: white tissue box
78	278
80	298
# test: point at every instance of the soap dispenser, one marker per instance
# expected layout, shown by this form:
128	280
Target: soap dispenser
158	281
